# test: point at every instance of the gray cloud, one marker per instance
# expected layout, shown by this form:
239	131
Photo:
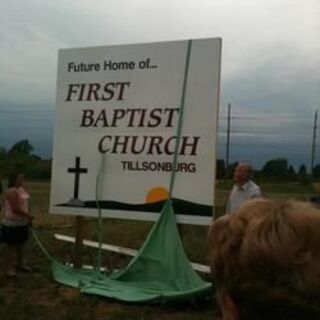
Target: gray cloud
270	61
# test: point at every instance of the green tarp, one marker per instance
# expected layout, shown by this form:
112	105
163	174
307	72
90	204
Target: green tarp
159	272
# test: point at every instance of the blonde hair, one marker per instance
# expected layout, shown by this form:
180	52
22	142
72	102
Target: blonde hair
266	256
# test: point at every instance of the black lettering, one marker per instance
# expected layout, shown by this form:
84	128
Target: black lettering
72	90
155	144
109	91
192	167
171	112
155	115
193	145
70	66
117	115
87	118
102	117
119	143
122	87
134	149
167	145
132	115
101	146
93	90
142	117
145	165
183	167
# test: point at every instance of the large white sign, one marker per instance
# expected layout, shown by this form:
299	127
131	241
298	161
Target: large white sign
117	119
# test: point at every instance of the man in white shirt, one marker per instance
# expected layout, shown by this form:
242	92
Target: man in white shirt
244	189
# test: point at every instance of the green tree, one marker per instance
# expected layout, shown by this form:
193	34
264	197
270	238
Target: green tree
3	161
21	147
20	159
302	170
231	168
303	177
292	175
221	169
276	168
316	171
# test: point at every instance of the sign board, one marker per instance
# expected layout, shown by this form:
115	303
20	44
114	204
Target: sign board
117	119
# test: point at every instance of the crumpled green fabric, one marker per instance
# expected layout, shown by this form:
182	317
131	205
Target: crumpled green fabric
159	272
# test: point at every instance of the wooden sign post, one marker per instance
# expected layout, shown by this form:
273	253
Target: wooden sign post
78	246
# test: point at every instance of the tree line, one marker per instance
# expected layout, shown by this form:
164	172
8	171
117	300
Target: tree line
278	168
20	157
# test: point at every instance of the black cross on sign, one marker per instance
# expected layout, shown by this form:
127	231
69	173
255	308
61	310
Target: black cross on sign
77	170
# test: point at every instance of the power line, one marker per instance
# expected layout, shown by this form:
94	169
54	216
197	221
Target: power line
264	117
313	149
228	136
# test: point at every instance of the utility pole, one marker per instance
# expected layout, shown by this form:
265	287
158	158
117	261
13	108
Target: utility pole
314	141
228	138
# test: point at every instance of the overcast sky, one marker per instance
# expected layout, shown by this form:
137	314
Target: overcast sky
270	61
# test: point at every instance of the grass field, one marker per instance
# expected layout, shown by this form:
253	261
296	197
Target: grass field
36	296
